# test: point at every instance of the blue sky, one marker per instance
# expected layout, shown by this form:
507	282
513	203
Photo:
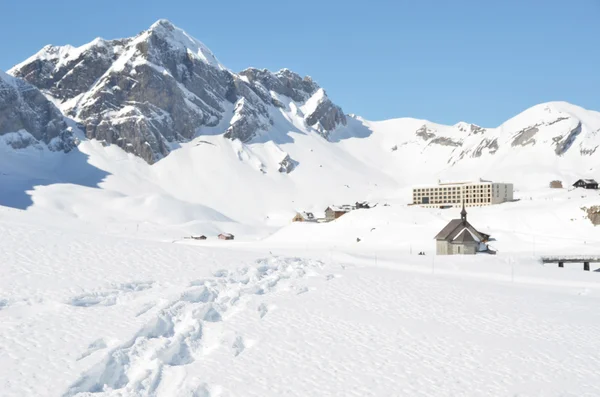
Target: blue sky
446	61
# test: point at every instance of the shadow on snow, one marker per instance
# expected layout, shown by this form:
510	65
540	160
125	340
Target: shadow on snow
21	170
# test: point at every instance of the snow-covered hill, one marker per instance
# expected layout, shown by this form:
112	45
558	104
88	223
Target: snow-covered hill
552	140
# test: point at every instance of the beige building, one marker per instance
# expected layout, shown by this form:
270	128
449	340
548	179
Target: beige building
447	195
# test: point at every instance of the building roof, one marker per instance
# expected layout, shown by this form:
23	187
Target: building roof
461	231
456	183
465	236
307	216
588	181
447	231
341	208
456	227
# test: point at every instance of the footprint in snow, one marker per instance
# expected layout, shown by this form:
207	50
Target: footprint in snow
238	346
145	309
302	290
96	345
262	310
109	297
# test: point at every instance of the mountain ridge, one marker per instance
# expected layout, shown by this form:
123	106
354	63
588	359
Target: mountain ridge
150	92
273	143
116	89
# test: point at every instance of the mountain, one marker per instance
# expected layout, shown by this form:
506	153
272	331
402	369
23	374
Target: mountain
151	92
28	118
251	147
550	140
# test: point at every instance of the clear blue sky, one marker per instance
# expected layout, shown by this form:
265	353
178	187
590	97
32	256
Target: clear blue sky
446	61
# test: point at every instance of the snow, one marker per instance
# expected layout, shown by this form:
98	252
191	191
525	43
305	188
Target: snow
179	39
311	104
103	292
87	311
62	54
111	307
8	79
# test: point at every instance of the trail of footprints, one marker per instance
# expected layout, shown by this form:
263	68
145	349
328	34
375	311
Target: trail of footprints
175	336
108	297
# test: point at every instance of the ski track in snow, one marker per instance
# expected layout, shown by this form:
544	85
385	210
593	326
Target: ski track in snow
175	336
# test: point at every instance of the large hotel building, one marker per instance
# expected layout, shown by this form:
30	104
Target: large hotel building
447	195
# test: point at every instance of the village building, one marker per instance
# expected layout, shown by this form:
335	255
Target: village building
304	217
556	184
362	205
448	195
586	184
202	237
335	211
226	236
459	237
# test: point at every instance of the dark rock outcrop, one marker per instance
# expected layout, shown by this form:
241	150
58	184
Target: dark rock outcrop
287	165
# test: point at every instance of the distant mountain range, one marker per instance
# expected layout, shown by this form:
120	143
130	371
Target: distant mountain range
148	93
240	147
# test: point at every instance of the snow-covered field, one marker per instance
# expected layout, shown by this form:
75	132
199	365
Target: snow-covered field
87	311
102	294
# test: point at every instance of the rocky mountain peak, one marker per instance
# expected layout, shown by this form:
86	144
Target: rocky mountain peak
161	87
162	24
170	38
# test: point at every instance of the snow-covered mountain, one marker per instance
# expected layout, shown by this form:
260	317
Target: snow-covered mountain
148	93
550	140
240	152
151	92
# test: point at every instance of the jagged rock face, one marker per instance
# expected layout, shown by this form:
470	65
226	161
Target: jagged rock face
283	82
248	120
66	72
326	117
158	88
30	118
